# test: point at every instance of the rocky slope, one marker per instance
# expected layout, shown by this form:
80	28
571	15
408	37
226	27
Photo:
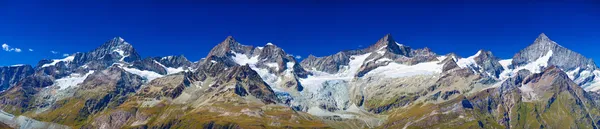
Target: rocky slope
387	85
10	75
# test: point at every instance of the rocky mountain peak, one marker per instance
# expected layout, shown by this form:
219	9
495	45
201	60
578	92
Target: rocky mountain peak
388	44
488	63
542	38
560	56
118	49
229	44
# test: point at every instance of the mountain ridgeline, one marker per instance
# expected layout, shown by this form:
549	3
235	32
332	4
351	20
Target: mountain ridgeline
386	85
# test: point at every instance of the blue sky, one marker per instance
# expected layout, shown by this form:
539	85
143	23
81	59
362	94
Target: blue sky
301	28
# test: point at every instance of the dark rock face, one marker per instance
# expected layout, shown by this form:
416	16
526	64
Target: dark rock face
174	61
489	63
106	89
388	44
149	64
18	98
329	64
11	75
449	64
249	82
160	64
170	86
113	79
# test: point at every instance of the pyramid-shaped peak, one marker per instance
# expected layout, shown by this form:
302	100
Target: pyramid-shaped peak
543	37
387	40
119	38
229	39
543	40
116	41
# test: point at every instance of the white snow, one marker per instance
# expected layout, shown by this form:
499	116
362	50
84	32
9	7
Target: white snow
149	75
121	52
354	65
399	45
269	43
170	70
572	73
505	63
242	59
469	62
534	67
273	65
381	50
66	59
395	70
383	60
594	85
71	80
17	65
440	58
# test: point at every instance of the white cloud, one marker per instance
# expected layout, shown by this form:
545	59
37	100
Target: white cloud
7	48
30	49
54	52
65	55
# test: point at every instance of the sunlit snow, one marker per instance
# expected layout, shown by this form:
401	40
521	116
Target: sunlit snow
71	80
66	59
534	67
149	75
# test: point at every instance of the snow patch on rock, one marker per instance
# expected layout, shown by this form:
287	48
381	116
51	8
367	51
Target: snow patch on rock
534	67
66	59
149	75
243	59
395	70
71	81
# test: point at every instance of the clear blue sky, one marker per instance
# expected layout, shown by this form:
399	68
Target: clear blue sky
301	28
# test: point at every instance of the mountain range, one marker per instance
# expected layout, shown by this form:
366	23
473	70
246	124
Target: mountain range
386	85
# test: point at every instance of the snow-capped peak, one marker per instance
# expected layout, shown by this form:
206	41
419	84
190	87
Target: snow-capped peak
269	43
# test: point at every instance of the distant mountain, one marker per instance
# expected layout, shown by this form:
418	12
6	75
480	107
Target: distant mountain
386	85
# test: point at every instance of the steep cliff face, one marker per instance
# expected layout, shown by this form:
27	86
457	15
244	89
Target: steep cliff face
11	75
